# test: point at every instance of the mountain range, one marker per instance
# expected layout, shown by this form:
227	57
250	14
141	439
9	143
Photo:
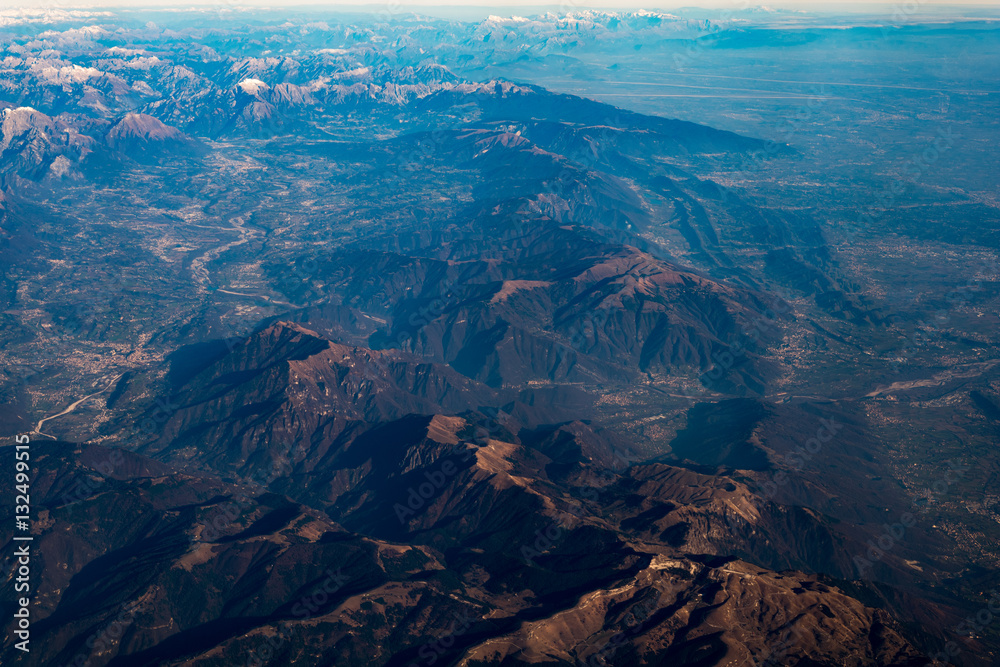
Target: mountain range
339	343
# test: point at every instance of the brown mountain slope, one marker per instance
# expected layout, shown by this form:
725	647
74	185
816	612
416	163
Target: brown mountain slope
537	301
147	566
285	393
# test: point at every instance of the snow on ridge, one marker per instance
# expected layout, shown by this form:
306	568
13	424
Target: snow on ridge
493	18
21	120
121	51
589	23
357	72
10	17
585	15
252	86
87	32
70	74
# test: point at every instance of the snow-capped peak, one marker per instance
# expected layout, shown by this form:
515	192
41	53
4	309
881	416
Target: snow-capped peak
253	86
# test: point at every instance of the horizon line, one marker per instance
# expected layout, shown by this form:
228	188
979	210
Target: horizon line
566	6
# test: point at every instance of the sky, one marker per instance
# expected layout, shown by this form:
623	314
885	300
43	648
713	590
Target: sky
477	10
564	5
